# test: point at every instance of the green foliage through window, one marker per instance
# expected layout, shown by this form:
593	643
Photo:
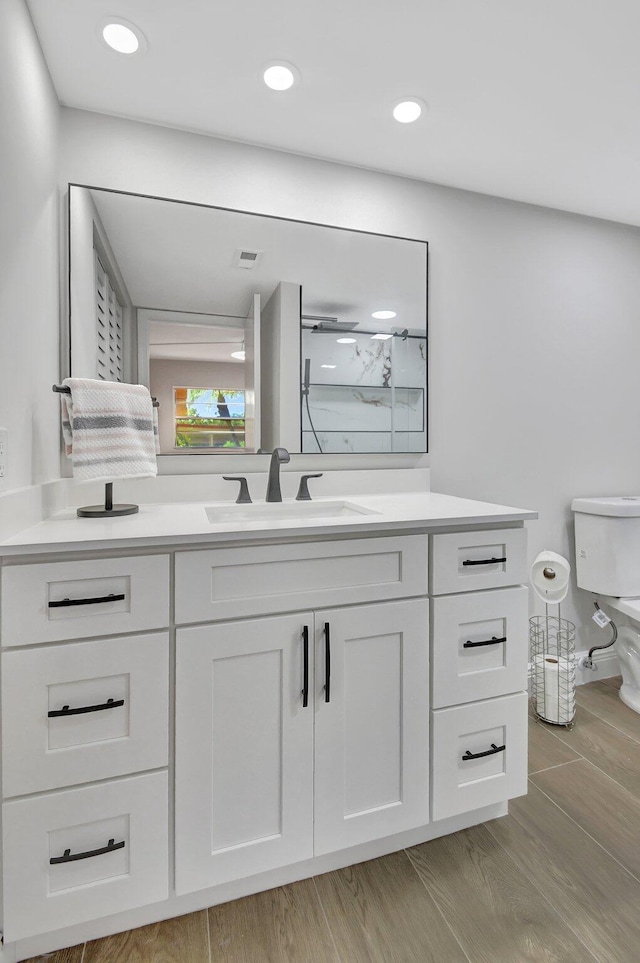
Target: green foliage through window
209	418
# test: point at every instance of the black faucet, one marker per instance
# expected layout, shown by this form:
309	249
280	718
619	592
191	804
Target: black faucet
279	456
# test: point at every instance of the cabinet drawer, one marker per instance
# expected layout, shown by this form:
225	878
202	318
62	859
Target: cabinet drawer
468	772
96	740
479	645
72	600
466	561
92	822
225	583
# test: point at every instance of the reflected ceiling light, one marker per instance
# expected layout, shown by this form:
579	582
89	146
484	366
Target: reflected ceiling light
381	337
406	111
383	315
327	365
280	75
346	340
122	36
239	355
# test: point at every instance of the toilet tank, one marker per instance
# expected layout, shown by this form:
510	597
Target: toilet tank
608	544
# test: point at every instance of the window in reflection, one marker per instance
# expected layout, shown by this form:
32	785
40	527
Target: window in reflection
209	418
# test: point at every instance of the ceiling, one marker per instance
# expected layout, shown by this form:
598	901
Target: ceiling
184	257
178	259
194	342
535	101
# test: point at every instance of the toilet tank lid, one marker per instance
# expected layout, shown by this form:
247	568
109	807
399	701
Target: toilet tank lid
612	505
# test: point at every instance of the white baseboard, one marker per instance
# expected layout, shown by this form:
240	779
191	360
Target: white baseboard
606	662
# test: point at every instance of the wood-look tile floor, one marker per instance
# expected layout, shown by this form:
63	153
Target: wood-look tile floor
556	881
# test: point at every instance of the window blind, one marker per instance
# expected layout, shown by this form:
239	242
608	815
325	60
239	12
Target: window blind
108	326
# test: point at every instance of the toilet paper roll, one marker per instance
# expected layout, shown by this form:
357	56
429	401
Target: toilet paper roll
555	692
550	574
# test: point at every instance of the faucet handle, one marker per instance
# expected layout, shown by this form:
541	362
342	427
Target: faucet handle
244	498
303	490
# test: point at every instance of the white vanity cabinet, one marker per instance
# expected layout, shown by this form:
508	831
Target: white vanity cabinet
479	650
335	697
299	734
77	842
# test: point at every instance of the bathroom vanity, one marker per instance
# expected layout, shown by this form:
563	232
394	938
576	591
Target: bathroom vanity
200	702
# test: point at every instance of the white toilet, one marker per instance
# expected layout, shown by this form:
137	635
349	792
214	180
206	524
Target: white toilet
608	564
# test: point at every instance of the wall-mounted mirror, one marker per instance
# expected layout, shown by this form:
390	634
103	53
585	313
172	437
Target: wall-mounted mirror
252	331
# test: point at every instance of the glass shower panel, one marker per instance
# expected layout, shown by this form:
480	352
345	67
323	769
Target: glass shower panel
363	394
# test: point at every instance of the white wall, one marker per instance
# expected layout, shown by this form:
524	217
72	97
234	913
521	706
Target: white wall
533	314
29	297
280	368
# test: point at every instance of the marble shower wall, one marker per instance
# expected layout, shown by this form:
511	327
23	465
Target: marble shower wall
366	396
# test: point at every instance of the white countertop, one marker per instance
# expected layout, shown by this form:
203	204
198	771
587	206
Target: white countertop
188	524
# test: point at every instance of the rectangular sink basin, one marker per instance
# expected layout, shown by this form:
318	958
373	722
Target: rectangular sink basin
284	511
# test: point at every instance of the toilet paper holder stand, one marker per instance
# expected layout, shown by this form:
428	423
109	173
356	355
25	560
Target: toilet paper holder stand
553	672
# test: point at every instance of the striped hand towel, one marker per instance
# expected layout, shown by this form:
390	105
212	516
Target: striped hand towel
109	429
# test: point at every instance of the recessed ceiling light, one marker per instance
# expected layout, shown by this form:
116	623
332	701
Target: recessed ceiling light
280	75
406	111
381	337
240	355
346	340
122	36
327	365
383	315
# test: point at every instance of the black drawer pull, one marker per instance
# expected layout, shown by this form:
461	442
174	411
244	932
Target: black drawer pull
488	752
305	666
66	711
104	598
327	662
483	561
491	641
68	858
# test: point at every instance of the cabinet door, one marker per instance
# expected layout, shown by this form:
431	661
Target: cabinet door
244	749
372	726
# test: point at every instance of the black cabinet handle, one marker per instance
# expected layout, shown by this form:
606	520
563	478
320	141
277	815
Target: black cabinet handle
488	752
305	666
327	662
66	711
103	598
483	561
492	641
69	858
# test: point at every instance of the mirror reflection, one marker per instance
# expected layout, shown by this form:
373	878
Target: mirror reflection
252	331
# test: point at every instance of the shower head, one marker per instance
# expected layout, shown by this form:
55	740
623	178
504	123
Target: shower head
329	324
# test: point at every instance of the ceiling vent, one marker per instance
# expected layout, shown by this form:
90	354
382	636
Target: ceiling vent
243	258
